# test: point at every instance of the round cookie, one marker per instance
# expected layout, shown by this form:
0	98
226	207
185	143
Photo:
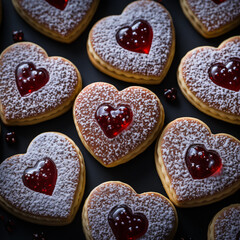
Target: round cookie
46	184
147	216
34	87
212	18
117	126
137	46
225	224
210	79
197	167
62	20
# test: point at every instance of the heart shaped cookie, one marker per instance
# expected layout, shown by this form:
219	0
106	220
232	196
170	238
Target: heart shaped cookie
46	184
113	210
225	224
210	79
33	86
137	46
117	126
62	20
212	18
197	167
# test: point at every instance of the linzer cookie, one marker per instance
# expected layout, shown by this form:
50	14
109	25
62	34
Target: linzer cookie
197	167
33	86
212	18
116	126
210	79
137	46
113	210
46	184
62	20
225	224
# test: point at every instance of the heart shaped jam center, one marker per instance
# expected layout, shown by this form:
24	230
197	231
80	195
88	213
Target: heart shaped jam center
201	162
227	76
42	177
30	79
137	37
113	121
218	1
60	4
126	225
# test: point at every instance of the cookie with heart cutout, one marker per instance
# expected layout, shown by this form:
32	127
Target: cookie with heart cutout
212	18
115	126
137	46
46	184
210	79
61	20
197	167
113	210
225	224
33	86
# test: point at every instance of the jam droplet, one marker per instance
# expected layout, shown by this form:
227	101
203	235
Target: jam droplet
170	94
39	236
42	177
227	76
11	137
126	225
30	79
201	162
113	121
18	36
60	4
218	1
137	37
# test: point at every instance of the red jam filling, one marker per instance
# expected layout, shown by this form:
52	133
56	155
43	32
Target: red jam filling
227	76
126	225
29	79
113	121
60	4
201	162
42	177
137	37
218	1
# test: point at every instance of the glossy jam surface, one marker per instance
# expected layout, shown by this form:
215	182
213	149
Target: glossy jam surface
11	138
42	177
218	1
202	163
137	37
170	94
30	79
18	36
60	4
227	76
113	121
127	225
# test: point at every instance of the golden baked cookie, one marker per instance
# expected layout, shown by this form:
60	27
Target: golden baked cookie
113	210
46	184
197	167
115	126
210	79
212	18
62	20
225	224
33	86
137	46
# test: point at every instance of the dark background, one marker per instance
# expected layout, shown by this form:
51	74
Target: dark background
140	172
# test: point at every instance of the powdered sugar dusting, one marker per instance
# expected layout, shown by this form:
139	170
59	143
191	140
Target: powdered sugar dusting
195	73
63	80
146	115
62	22
214	16
104	43
180	135
159	212
227	225
59	204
